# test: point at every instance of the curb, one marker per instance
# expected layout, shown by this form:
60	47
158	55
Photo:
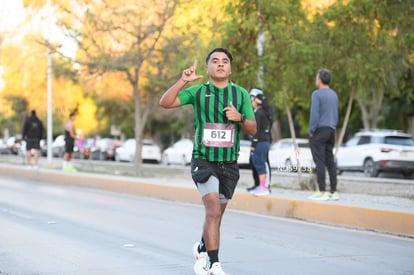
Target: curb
382	220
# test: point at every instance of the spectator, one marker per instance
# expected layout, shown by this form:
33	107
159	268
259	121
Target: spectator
69	144
322	125
32	134
261	142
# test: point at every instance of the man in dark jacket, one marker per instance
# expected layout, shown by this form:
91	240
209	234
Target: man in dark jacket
32	133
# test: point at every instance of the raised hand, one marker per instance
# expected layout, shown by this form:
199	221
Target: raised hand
189	74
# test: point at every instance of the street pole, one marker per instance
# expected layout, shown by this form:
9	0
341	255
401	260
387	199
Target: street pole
49	90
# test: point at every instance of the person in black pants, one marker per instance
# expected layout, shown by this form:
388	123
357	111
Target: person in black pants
322	125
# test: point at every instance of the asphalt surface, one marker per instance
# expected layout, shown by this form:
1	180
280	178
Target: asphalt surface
49	228
389	214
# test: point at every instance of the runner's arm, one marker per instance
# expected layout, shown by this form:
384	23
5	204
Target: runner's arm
170	99
249	126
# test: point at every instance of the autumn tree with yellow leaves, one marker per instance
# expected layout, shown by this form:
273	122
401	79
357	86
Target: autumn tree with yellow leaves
135	43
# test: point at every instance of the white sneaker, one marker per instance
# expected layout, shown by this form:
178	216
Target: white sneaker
216	270
260	191
201	261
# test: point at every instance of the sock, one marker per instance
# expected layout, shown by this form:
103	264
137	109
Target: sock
213	255
263	182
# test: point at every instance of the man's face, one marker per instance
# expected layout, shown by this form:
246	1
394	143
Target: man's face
219	66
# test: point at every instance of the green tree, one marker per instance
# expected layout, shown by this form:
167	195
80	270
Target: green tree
19	112
367	55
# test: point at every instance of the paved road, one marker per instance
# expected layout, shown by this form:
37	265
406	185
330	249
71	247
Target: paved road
56	229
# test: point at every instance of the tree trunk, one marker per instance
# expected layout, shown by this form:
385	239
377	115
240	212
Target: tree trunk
345	124
138	132
141	113
293	135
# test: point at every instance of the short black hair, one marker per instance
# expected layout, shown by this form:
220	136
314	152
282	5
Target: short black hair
220	50
33	113
325	76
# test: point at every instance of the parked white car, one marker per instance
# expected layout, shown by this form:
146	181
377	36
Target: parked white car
378	150
58	146
244	154
284	157
179	153
151	152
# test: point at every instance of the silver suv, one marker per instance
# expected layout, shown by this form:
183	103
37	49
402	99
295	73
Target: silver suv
377	150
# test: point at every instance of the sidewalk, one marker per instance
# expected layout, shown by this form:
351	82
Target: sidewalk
378	213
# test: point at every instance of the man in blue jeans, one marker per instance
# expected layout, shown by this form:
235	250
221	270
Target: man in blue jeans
322	125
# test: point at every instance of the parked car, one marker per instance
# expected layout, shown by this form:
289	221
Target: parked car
100	150
151	152
58	146
14	143
88	146
378	150
43	147
4	149
110	151
178	153
244	153
284	157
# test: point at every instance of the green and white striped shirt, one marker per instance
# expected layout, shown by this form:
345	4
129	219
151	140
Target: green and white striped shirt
208	102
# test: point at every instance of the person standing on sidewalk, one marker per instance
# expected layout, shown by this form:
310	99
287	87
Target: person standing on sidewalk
32	134
322	125
70	136
261	143
221	110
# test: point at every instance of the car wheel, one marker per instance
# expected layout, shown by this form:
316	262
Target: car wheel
369	169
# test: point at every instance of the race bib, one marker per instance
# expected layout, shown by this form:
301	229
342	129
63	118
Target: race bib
218	135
